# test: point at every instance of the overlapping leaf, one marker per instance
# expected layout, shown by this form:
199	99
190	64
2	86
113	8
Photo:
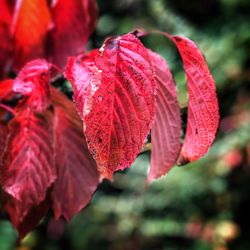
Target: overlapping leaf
33	83
45	154
79	73
35	29
203	114
30	25
166	130
44	147
74	21
28	166
76	169
120	103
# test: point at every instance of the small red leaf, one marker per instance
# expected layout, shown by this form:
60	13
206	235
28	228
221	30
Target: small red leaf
30	26
76	169
28	165
33	82
203	111
166	130
74	21
79	72
119	107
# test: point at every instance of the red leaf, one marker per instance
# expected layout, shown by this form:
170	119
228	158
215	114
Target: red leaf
90	10
33	82
5	39
28	167
30	26
27	223
203	111
79	73
74	21
120	103
76	169
166	130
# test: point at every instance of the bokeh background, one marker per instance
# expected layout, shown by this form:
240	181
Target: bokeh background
201	206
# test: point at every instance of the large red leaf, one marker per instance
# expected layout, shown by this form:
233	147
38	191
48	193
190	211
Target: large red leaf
74	21
119	106
28	165
76	169
33	83
30	25
166	130
203	114
5	39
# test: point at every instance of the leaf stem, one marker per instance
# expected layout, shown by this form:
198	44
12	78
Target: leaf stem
7	108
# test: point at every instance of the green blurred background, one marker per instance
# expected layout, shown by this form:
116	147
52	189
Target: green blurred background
202	206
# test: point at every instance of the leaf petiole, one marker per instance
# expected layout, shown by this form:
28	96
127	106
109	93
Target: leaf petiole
7	108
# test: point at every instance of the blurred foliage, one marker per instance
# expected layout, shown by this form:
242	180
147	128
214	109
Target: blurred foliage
202	206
